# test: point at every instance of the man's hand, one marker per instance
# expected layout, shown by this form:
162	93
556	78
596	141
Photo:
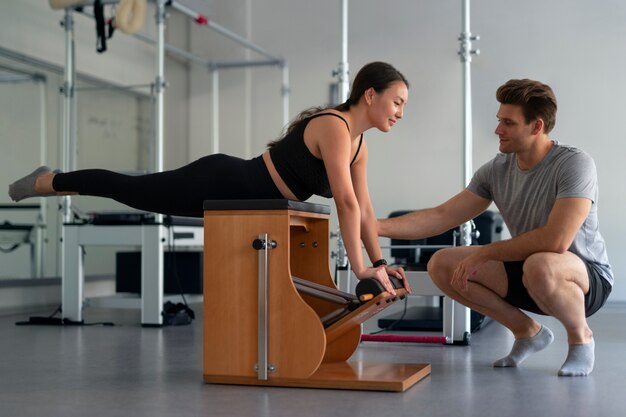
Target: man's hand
468	268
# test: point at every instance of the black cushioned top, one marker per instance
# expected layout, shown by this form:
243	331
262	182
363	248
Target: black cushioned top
278	204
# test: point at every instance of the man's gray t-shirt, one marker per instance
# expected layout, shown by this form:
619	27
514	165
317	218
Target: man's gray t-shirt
525	198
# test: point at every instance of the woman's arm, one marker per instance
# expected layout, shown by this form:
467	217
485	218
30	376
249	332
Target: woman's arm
334	144
333	140
369	234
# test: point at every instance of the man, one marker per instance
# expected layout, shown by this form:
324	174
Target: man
555	263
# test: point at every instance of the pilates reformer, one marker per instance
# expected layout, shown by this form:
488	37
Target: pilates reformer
134	229
290	325
13	235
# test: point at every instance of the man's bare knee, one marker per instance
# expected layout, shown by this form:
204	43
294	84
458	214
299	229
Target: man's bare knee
539	277
440	265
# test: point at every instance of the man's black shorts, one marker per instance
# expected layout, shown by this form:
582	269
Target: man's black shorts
517	295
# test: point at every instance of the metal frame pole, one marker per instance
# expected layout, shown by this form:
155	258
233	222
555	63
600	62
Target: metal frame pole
72	261
215	110
466	53
69	121
159	84
341	73
342	70
286	92
343	65
43	156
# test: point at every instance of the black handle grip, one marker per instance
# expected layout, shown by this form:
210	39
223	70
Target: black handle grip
374	287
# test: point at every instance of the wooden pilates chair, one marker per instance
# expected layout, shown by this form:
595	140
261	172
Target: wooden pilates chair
272	313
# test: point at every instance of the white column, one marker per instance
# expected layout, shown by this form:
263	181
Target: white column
153	242
73	274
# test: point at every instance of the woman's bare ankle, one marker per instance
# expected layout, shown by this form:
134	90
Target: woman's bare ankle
43	183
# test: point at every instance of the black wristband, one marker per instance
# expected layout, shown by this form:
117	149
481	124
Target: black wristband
379	262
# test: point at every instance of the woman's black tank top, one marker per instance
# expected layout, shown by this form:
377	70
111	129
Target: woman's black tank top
303	173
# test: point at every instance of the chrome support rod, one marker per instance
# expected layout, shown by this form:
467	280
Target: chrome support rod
245	64
43	156
159	90
262	245
466	53
69	119
342	70
215	109
159	84
285	92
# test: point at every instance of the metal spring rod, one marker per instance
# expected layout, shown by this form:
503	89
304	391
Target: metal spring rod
320	294
323	288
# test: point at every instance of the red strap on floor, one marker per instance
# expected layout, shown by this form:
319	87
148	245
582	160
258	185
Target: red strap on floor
402	339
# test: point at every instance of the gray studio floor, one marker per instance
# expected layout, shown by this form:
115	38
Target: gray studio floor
127	370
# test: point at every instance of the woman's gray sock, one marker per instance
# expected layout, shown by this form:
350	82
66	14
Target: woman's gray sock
25	187
580	359
522	348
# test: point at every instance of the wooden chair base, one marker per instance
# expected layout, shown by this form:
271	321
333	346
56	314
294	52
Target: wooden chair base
364	376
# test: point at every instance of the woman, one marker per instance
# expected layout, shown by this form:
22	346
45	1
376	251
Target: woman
322	152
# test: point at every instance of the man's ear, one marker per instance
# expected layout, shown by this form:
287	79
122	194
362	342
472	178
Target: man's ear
537	126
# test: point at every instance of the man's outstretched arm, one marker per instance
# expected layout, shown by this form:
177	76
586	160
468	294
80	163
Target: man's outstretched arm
433	221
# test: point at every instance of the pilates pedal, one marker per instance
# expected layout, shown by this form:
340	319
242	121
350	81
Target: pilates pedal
369	288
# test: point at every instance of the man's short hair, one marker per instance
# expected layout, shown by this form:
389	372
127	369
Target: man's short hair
536	99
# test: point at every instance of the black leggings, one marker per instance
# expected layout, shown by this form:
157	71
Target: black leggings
179	192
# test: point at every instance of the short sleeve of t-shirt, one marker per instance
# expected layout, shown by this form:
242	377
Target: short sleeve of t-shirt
481	181
577	177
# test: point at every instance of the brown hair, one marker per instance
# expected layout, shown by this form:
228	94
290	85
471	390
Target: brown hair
536	99
376	75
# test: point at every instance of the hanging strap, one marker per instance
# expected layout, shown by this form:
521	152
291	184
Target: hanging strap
101	40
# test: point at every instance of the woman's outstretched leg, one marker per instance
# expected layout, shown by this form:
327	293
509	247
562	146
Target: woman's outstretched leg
169	192
178	192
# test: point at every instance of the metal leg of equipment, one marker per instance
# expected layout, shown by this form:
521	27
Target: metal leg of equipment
153	240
